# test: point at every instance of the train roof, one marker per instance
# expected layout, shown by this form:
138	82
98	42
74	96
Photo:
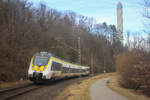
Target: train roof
43	53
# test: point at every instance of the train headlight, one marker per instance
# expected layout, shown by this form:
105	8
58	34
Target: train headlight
36	68
41	68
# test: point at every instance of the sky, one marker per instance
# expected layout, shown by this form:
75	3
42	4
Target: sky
103	11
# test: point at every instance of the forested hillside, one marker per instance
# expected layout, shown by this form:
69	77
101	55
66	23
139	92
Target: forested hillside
25	30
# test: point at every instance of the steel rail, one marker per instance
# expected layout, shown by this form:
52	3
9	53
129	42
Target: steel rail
6	94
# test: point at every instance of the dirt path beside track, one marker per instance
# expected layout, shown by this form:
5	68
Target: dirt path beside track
99	91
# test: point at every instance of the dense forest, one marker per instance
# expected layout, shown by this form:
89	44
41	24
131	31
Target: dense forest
26	29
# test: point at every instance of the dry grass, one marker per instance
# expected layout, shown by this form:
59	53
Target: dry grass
80	91
131	94
11	84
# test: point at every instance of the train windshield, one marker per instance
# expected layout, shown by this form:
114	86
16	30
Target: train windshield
40	60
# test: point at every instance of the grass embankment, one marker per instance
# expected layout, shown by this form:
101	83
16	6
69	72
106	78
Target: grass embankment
80	91
131	94
12	84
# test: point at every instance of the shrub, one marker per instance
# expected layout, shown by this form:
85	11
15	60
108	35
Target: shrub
125	63
134	71
6	76
142	75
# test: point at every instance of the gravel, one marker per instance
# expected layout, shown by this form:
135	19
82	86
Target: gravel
48	91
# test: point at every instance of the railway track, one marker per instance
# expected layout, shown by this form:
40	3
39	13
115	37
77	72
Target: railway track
16	92
12	92
6	94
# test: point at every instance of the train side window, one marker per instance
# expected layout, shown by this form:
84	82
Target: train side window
56	66
74	70
53	64
70	70
65	69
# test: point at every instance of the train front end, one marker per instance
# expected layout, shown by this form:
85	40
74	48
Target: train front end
38	69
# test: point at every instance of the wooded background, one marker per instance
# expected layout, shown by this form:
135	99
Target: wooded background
25	30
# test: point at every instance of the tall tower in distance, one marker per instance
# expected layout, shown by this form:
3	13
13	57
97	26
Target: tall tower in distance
120	21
